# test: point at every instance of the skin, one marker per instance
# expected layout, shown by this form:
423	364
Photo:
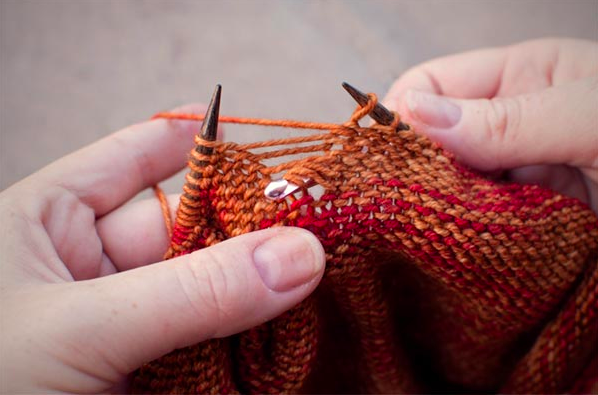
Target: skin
85	299
529	109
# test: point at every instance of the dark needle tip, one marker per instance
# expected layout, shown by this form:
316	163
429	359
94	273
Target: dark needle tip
379	114
358	95
209	127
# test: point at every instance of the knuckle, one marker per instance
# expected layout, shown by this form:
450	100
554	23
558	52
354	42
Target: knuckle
141	161
205	284
503	120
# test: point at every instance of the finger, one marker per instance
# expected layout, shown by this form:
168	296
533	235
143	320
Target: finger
114	169
135	234
474	74
142	314
555	126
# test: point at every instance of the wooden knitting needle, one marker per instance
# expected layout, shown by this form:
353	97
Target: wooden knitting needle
208	132
209	128
380	114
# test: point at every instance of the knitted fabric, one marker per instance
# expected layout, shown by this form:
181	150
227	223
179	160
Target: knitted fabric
437	278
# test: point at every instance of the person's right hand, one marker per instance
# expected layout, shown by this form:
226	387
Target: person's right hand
531	108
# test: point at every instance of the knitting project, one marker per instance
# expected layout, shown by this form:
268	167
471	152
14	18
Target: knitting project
437	278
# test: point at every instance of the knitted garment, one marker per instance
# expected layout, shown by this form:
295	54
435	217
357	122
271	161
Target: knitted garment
437	278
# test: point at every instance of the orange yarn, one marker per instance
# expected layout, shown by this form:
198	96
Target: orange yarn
287	123
437	279
164	207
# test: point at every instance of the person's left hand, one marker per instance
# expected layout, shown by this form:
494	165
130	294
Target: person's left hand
81	306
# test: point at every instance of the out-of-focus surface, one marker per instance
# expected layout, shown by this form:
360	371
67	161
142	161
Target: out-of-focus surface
74	71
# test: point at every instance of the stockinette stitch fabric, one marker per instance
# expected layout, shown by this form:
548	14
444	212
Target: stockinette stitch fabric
438	279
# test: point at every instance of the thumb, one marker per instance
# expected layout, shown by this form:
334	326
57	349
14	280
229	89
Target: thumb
558	125
147	312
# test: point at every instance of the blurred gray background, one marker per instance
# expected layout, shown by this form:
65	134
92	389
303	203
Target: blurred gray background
74	71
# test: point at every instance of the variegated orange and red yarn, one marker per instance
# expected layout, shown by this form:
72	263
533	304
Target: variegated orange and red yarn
437	278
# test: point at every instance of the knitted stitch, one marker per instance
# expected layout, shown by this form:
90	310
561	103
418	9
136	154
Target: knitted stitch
437	278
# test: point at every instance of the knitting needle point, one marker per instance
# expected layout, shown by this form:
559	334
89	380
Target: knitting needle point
379	114
209	128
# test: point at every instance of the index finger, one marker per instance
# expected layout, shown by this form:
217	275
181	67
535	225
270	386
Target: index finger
475	74
109	172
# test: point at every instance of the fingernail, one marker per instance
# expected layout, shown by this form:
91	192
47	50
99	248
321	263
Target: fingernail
433	110
289	259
